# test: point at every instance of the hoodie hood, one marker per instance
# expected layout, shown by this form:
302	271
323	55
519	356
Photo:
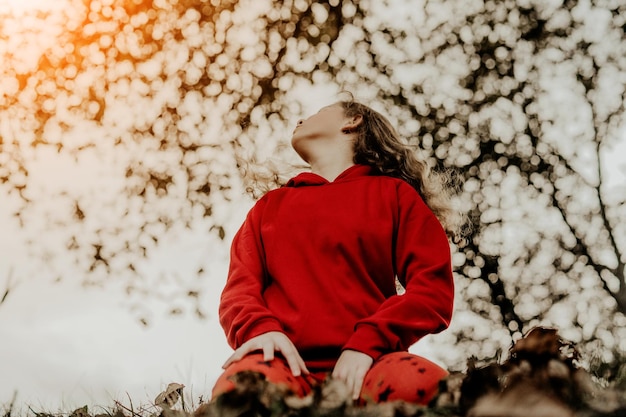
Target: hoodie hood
310	178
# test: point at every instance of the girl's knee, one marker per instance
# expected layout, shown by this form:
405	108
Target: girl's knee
402	376
276	372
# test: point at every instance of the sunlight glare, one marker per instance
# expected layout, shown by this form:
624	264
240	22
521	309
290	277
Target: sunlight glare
23	6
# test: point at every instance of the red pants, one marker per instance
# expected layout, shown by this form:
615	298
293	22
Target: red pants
395	376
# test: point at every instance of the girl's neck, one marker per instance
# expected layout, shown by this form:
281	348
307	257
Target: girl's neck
329	156
331	168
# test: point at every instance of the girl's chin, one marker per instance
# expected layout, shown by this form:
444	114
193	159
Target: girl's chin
300	150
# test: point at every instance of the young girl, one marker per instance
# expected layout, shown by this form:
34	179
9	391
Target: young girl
311	290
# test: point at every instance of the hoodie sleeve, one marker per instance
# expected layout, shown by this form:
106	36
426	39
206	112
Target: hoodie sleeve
242	311
423	266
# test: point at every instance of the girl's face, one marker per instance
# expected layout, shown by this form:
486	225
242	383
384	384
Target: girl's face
327	122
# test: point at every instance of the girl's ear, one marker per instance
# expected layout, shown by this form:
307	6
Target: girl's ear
352	123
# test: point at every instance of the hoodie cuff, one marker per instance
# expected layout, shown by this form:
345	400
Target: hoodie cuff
259	328
367	339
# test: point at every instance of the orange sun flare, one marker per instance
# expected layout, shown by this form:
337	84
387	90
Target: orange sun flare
30	5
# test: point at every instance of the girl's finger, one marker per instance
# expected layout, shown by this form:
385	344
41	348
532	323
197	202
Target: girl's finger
230	360
292	361
237	355
357	389
350	384
268	353
302	365
295	362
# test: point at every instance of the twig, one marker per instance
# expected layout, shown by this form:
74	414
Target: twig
9	287
131	409
9	411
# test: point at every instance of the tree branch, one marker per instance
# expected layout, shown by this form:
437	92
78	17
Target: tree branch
620	295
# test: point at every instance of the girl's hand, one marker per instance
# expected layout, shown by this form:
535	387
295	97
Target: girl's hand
351	369
269	343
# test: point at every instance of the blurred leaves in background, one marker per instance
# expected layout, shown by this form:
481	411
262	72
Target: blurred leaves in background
523	98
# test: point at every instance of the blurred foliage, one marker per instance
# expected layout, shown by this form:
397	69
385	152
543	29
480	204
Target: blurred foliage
524	98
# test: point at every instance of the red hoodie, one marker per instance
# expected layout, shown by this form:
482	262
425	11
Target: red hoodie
317	260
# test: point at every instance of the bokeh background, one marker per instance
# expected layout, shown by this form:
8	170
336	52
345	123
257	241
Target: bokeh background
124	124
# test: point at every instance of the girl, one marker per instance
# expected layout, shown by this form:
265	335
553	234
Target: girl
311	290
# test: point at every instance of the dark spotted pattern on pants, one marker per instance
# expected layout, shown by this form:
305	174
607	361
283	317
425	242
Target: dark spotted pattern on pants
395	376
